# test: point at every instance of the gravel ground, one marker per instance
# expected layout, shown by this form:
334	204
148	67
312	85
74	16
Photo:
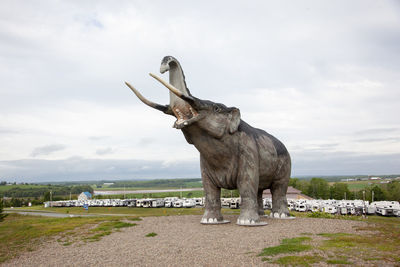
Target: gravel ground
180	241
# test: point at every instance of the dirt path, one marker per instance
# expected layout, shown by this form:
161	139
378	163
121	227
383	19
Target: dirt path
180	241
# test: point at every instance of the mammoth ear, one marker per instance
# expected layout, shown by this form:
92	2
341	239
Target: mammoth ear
234	116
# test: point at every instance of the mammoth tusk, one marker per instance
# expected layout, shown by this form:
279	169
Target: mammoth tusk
173	89
169	86
163	108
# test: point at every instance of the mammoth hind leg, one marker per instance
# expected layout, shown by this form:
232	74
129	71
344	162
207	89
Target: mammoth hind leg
279	201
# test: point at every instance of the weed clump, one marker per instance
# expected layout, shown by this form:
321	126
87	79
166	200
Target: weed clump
288	245
135	219
106	228
152	234
319	214
298	260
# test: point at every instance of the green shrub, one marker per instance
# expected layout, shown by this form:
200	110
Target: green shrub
152	234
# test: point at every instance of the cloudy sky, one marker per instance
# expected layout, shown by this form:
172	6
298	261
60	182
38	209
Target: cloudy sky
321	76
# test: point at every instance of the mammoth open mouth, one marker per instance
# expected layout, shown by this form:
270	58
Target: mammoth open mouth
184	114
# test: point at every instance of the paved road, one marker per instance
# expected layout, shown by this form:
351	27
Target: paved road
121	192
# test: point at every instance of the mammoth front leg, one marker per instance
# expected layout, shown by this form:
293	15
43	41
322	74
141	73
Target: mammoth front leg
212	213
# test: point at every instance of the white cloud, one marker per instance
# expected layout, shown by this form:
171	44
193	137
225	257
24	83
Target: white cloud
47	150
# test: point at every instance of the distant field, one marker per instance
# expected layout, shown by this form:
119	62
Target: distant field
22	186
358	185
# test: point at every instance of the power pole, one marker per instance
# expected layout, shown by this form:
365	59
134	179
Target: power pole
365	208
51	198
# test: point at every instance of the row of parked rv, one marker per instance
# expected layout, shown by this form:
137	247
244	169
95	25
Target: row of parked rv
343	207
346	207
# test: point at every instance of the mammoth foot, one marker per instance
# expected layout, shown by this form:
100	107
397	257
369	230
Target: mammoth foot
213	221
247	222
276	215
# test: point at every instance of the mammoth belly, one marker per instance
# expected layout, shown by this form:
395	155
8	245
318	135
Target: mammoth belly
222	176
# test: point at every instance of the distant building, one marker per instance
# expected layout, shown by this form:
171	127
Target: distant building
292	193
375	178
108	183
347	180
85	196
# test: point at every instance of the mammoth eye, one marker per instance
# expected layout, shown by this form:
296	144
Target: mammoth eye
217	109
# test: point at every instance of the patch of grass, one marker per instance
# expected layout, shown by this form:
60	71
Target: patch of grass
106	228
320	214
339	260
372	259
20	233
306	233
333	235
383	240
135	219
305	260
288	245
380	244
339	241
98	236
152	234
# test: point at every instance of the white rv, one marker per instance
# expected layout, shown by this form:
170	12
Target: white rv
330	209
157	203
199	201
235	203
178	203
188	203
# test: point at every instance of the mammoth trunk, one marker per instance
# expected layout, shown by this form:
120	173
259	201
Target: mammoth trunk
181	109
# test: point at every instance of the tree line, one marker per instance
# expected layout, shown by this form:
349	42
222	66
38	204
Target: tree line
175	183
40	191
319	188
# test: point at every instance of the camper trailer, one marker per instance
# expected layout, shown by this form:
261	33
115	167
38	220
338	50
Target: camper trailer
157	203
225	202
267	203
330	209
188	203
178	203
146	203
301	207
199	201
169	202
235	203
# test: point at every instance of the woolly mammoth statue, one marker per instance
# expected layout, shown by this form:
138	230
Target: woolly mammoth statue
233	155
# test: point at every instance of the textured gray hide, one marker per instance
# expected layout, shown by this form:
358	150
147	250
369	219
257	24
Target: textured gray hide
233	155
